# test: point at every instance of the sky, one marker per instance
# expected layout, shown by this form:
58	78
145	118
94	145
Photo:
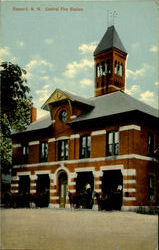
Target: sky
55	44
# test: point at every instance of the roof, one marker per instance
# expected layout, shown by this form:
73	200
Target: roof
42	123
103	106
59	95
115	103
110	40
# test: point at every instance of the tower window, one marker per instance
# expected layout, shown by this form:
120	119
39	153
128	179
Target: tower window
106	70
103	68
115	67
97	70
119	69
108	67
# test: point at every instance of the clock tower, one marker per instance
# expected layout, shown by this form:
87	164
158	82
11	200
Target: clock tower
110	60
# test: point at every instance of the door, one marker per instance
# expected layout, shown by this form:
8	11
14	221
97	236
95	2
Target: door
63	188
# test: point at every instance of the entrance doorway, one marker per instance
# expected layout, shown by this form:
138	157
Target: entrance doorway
85	187
43	190
112	185
24	191
63	180
24	185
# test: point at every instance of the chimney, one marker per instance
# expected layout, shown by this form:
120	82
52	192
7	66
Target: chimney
33	114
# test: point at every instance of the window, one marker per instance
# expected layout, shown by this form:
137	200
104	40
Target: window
63	150
25	154
97	70
113	143
44	151
108	67
151	144
85	146
151	187
119	68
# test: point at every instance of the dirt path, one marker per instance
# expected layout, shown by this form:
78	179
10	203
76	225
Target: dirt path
77	230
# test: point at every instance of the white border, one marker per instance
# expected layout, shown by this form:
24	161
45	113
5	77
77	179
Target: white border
98	132
87	160
31	143
129	127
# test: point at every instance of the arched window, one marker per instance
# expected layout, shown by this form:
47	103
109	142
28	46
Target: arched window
103	68
102	83
106	70
121	69
108	67
97	71
116	67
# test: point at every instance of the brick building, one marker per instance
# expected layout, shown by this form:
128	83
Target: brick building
107	141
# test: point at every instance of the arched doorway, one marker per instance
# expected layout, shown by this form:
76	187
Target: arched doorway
63	180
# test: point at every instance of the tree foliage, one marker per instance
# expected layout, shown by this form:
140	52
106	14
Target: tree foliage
16	104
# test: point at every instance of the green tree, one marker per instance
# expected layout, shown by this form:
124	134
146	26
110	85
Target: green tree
16	104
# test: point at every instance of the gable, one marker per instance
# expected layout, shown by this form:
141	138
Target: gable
56	96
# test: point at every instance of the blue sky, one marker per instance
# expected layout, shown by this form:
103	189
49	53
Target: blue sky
56	47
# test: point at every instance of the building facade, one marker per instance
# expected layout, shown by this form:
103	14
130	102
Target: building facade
107	141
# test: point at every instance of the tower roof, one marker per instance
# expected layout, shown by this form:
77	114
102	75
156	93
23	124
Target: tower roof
110	40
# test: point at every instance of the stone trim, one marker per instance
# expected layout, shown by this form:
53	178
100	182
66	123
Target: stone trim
98	132
33	177
54	198
129	198
31	143
42	172
14	185
72	117
33	184
62	138
17	145
52	191
112	167
129	181
53	205
72	190
97	182
85	169
129	127
75	136
130	172
32	191
97	190
23	173
51	140
130	190
15	178
87	160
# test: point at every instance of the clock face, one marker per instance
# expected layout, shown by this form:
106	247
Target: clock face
63	116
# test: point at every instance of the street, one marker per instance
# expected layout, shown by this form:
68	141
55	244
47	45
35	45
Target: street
57	229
